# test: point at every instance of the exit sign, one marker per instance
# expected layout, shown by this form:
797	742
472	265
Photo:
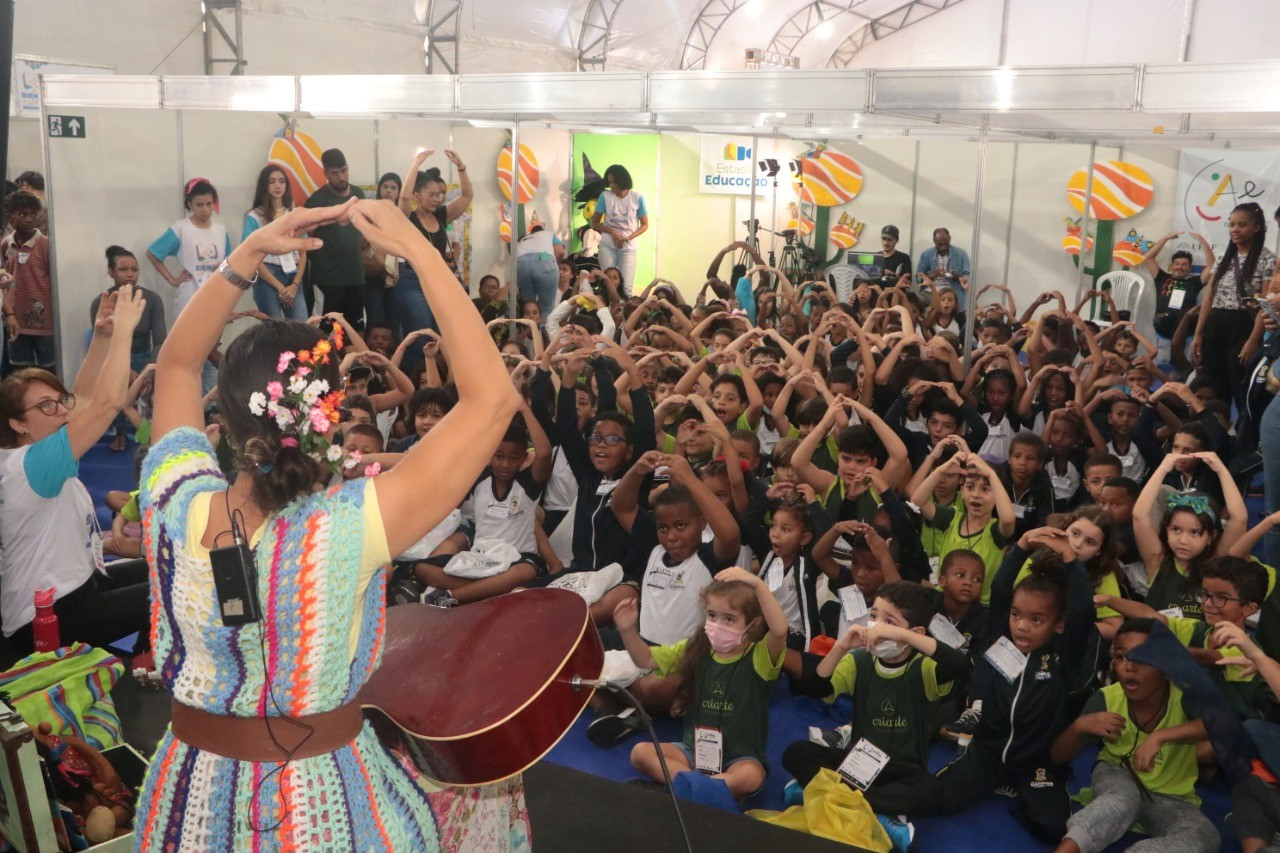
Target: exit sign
66	127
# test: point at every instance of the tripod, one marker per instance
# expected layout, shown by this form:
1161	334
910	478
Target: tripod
745	257
797	262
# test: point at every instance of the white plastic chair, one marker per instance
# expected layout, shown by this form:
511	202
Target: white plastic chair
1126	291
843	279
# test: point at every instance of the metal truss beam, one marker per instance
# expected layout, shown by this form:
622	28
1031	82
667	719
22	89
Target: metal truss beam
211	26
443	20
711	17
593	36
809	18
885	25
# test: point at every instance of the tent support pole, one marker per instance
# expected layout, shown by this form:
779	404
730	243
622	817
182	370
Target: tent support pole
1084	222
971	303
915	183
513	288
1008	230
751	218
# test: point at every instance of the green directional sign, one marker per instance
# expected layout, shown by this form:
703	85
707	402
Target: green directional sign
66	127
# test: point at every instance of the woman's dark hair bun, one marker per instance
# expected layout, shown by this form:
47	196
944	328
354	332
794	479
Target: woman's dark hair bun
283	472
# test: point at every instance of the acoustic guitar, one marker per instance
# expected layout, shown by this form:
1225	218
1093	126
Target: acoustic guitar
478	693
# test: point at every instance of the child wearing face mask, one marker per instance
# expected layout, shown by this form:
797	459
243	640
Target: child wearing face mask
727	671
896	674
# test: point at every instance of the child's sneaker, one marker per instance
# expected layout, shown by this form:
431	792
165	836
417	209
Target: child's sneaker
610	727
837	738
963	728
439	598
793	794
900	831
405	590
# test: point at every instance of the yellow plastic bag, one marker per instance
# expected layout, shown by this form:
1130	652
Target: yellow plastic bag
832	810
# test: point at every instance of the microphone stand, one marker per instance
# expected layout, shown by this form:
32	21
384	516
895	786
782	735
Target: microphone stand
647	722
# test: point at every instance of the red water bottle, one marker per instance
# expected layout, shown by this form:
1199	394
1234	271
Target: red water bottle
45	625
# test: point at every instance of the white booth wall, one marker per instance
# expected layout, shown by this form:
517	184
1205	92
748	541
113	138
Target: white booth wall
123	185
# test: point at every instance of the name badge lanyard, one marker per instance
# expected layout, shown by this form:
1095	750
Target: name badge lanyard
708	741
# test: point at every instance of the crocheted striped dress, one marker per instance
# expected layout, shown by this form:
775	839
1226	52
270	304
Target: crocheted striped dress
321	586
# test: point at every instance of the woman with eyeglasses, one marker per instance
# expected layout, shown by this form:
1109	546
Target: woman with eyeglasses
431	217
51	536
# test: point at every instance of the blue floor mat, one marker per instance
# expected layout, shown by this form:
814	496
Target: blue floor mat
987	826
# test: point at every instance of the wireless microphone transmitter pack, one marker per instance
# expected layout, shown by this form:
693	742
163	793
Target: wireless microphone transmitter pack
236	581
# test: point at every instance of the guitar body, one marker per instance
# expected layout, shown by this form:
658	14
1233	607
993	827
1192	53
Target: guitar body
478	693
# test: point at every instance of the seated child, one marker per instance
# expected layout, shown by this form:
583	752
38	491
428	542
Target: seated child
1024	478
1117	498
726	707
1146	771
426	408
895	672
1231	590
1062	434
1027	686
987	520
1189	535
964	623
503	507
678	566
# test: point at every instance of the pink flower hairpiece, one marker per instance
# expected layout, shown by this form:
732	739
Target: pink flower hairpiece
304	408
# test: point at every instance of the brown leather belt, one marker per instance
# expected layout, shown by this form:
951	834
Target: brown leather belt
249	739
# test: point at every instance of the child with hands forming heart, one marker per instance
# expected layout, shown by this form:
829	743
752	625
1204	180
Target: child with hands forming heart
727	672
983	525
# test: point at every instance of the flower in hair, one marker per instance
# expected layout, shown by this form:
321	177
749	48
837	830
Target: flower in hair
303	408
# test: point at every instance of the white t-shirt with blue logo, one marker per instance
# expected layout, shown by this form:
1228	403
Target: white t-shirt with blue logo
198	250
48	530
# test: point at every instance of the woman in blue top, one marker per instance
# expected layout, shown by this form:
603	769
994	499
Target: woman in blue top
620	218
279	276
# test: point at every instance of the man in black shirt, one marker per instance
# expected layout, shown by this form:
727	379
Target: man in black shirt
336	268
1177	289
894	263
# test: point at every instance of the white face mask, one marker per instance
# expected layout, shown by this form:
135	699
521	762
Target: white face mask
886	649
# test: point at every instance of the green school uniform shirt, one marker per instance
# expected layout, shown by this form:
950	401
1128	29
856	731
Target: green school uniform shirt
892	705
1174	773
730	694
987	543
1241	690
931	539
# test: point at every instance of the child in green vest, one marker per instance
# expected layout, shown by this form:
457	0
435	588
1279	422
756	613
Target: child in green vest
1146	770
896	674
728	672
1231	591
985	523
